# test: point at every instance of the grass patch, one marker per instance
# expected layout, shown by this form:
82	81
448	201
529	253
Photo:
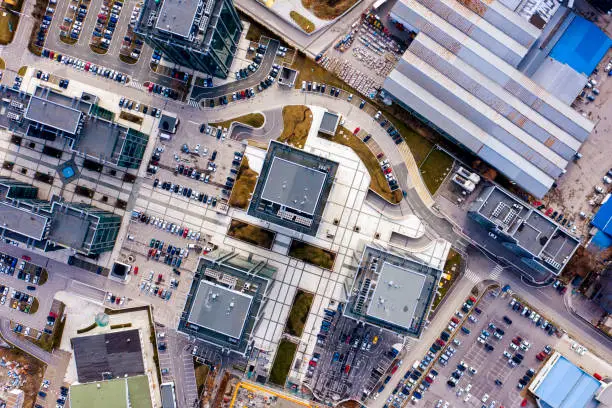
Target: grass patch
128	59
246	179
34	306
328	9
251	233
378	182
22	70
282	362
434	169
299	313
130	117
68	40
255	120
88	328
97	49
305	24
2	64
201	374
311	254
44	275
297	120
8	27
120	326
84	191
451	267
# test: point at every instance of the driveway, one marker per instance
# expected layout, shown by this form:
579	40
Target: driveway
200	92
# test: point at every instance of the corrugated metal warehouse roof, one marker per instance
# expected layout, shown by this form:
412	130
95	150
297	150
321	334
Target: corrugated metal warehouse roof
460	79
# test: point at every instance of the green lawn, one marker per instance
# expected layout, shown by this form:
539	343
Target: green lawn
251	233
311	254
255	120
282	362
451	267
435	168
299	313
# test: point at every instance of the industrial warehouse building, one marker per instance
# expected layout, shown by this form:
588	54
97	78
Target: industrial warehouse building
461	75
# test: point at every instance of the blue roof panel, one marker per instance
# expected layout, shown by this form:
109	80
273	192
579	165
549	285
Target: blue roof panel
567	386
582	46
603	218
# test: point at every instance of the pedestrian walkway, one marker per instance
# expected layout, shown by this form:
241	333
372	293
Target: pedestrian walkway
472	276
414	175
496	272
190	387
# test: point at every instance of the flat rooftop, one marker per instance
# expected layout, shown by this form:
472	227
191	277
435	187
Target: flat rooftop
100	139
167	395
329	123
53	114
533	231
397	295
22	222
115	354
220	309
112	393
292	185
176	16
69	229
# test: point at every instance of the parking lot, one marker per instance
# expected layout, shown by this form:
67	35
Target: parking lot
491	361
352	357
201	164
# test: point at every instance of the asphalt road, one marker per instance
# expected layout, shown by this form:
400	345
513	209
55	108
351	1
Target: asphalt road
200	92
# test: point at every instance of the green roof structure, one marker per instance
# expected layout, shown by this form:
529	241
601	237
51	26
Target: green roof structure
118	393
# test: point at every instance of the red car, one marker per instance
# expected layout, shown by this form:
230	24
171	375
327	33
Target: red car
26	258
87	66
429	380
185	232
515	341
388	170
312	363
524	403
151	85
380	155
472	298
541	356
455	320
159	277
51	54
243	94
117	300
356	130
135	270
440	342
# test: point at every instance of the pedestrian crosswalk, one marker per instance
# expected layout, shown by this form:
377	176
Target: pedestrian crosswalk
496	272
472	276
135	84
193	103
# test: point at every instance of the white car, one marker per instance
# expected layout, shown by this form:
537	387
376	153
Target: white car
485	398
467	398
3	300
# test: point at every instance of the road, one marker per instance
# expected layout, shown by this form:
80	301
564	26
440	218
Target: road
200	92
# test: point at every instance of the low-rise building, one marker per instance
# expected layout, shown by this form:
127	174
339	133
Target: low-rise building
392	290
50	225
226	300
293	188
539	241
128	392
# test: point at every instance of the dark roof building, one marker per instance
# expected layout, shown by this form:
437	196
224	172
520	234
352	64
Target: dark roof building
224	302
541	243
199	34
48	225
88	128
329	123
106	356
293	188
392	290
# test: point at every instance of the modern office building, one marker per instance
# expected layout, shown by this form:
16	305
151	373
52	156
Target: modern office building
89	129
392	290
540	242
293	188
226	300
199	34
460	76
55	224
